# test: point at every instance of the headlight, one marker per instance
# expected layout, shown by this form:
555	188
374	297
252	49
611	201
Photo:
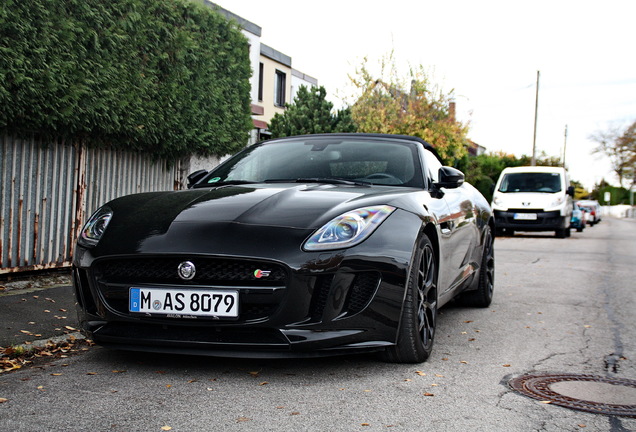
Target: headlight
558	202
348	229
95	227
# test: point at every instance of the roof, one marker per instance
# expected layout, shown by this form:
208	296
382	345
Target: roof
418	140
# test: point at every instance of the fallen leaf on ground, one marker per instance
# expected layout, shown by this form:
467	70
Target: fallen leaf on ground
91	373
506	365
263	383
420	373
70	328
463	362
582	425
3	400
118	371
166	428
295	413
254	374
365	424
439	376
56	374
546	402
428	394
243	419
469	321
50	299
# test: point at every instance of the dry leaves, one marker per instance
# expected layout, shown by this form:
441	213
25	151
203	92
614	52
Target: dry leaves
3	400
16	357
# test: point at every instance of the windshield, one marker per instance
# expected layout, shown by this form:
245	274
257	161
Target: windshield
354	160
531	182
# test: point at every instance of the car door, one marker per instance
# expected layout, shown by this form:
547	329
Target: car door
457	228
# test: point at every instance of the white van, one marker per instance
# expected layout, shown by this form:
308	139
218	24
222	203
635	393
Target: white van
533	198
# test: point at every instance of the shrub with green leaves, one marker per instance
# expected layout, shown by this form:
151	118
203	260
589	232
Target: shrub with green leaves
168	77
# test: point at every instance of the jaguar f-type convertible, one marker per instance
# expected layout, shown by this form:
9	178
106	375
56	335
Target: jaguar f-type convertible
300	246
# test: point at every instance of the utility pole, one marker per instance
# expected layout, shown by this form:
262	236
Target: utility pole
565	143
534	140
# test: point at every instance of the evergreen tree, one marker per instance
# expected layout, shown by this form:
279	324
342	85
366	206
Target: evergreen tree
311	113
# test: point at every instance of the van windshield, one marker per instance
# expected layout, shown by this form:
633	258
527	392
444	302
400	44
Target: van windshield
531	182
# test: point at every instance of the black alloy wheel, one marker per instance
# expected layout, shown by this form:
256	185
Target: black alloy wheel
482	297
419	312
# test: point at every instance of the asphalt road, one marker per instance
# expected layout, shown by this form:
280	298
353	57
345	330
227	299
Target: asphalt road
561	305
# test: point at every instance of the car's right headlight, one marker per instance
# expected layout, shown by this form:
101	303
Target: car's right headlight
348	229
95	227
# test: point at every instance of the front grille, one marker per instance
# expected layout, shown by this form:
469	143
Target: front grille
209	271
258	298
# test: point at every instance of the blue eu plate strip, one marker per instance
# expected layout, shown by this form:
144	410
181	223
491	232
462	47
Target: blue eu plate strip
134	299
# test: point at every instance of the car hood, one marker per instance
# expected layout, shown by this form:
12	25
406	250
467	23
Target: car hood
149	222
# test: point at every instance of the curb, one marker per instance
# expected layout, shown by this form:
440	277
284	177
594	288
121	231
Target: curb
56	340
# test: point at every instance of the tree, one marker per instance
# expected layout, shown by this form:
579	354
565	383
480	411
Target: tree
311	113
413	106
620	147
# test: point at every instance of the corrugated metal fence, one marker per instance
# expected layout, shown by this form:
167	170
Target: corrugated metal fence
48	189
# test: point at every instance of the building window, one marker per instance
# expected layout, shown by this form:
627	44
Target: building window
279	88
260	82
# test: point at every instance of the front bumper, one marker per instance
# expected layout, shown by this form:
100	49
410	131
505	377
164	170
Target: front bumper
516	219
319	303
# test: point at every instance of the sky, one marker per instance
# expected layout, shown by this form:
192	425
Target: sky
488	53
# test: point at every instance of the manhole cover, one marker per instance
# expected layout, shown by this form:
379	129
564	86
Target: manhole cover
595	394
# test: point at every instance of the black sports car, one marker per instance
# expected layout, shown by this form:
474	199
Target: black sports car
307	245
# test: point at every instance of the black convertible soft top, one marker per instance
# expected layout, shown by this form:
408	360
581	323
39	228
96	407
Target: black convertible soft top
418	140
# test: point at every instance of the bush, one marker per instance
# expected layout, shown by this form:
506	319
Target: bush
162	76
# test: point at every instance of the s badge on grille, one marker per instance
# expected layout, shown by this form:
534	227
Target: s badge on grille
186	270
261	273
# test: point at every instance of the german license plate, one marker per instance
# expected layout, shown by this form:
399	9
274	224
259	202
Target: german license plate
525	216
162	301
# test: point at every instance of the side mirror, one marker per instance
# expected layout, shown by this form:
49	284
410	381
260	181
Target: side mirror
450	178
571	191
195	177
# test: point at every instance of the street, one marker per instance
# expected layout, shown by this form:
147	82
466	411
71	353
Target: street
560	306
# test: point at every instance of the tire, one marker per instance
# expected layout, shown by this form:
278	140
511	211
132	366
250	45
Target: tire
419	313
482	296
579	229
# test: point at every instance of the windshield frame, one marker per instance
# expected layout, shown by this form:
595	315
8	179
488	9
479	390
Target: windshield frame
333	154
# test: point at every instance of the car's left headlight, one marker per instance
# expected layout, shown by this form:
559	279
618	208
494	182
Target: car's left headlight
558	201
94	229
348	229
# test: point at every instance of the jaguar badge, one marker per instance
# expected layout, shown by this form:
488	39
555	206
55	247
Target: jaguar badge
186	270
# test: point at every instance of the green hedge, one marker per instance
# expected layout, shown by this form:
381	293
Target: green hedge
169	77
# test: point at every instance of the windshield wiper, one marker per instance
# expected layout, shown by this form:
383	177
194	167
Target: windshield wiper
330	180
